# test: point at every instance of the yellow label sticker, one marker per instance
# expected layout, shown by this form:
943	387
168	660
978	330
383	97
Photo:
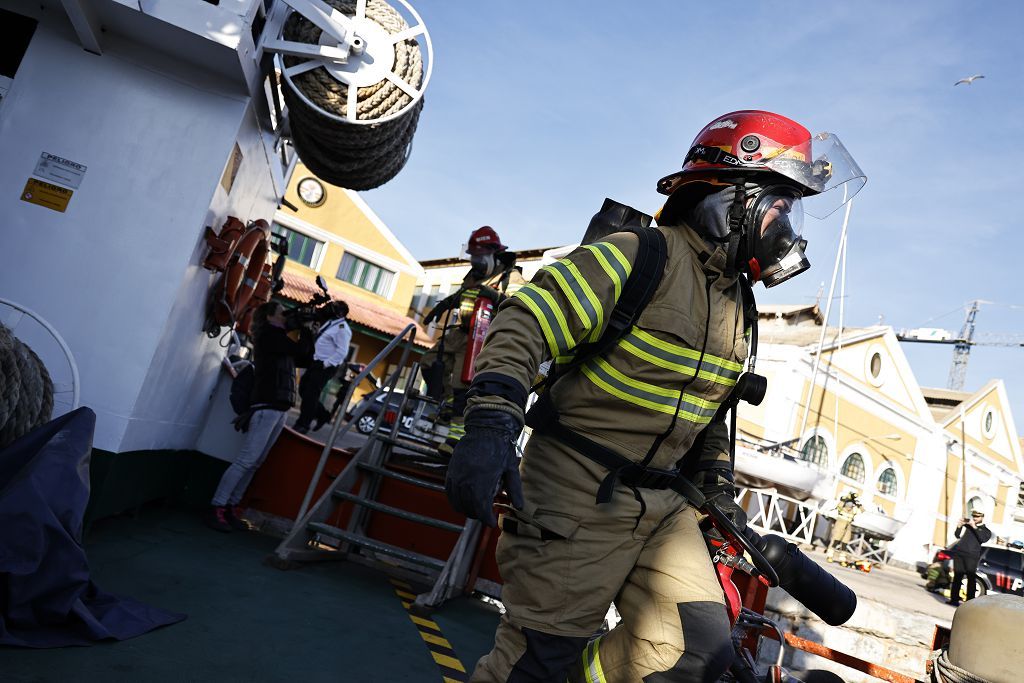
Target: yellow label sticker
46	194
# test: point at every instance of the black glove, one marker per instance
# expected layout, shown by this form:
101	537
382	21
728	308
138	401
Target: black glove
717	486
483	462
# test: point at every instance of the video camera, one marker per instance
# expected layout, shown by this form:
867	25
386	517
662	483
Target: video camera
319	308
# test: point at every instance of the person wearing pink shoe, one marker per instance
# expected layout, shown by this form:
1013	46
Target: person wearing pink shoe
273	393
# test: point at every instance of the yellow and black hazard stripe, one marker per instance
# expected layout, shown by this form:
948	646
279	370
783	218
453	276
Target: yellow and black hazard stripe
452	670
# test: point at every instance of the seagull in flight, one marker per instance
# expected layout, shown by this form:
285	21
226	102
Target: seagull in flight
969	79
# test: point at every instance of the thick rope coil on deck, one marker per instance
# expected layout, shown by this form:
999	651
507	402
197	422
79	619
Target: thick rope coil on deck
355	156
26	391
943	671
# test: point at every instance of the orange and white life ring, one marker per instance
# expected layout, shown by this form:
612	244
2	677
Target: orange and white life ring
222	245
243	272
259	297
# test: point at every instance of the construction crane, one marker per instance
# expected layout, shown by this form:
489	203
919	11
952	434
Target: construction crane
961	344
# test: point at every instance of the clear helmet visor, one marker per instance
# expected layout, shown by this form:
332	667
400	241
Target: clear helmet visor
824	166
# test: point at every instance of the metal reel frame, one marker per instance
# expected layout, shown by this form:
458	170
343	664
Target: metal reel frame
66	388
356	51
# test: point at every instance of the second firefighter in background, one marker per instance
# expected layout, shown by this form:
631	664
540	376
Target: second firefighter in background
465	317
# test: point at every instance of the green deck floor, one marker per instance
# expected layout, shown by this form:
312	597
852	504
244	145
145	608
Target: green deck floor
333	621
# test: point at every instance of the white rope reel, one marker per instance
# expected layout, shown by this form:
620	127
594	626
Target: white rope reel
353	75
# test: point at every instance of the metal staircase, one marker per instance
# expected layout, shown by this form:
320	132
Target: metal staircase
338	525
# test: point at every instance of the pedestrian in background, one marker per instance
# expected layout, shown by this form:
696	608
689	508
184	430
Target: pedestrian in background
967	553
330	352
273	393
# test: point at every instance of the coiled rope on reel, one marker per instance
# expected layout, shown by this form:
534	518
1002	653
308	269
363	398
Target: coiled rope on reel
353	83
26	390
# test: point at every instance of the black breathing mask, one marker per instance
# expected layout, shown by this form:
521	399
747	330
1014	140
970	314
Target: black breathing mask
482	265
774	222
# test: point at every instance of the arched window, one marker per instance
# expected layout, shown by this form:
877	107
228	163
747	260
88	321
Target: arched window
854	467
887	482
815	451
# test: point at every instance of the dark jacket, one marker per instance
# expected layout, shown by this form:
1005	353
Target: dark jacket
970	542
274	362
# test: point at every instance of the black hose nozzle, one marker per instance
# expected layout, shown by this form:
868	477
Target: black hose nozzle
809	583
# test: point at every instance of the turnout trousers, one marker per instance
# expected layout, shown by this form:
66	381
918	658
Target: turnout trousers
839	539
564	559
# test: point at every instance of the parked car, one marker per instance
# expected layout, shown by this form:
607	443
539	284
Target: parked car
1001	569
425	410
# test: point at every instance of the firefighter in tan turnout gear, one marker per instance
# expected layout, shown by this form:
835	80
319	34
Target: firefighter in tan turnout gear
598	514
848	507
465	317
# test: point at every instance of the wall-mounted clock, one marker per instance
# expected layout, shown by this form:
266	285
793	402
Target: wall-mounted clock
311	192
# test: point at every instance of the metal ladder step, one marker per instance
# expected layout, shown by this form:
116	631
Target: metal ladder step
397	512
376	546
410	446
384	472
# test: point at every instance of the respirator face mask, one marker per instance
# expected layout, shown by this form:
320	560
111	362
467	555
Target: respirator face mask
776	222
481	265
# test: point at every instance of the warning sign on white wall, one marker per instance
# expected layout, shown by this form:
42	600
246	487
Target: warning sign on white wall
60	170
46	194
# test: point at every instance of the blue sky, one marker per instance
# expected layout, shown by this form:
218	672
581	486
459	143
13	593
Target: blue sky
539	110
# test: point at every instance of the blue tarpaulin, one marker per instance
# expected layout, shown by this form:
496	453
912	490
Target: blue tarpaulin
47	598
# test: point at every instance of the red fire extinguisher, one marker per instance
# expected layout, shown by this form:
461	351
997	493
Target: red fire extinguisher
483	311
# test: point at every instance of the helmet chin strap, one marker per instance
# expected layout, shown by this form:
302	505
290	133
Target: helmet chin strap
737	214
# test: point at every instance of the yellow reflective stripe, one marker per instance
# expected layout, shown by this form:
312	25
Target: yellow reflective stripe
617	255
684	351
570	295
592	669
677	358
691	408
580	295
595	302
550	318
617	268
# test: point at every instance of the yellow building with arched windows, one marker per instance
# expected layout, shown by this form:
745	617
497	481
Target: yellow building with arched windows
844	412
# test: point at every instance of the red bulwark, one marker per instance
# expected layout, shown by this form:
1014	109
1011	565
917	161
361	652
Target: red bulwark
281	482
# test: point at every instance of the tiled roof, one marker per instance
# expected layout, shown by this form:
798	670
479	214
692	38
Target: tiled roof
360	311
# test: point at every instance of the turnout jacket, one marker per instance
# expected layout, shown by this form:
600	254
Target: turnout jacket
689	340
457	336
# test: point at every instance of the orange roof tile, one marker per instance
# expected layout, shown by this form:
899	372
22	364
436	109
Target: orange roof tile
360	311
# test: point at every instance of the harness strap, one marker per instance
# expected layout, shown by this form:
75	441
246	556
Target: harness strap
621	468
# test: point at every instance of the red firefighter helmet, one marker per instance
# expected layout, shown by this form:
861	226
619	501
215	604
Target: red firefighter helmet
484	239
759	142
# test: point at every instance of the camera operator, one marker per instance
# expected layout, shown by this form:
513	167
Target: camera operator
273	393
966	554
330	351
